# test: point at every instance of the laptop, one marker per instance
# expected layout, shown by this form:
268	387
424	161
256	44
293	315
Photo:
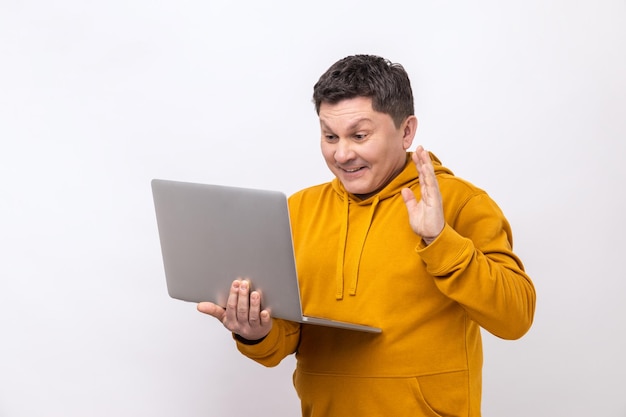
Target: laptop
213	234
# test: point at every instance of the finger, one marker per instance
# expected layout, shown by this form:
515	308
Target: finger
255	309
424	165
232	302
421	159
243	302
266	318
429	187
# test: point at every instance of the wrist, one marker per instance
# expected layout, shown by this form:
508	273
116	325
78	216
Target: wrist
428	240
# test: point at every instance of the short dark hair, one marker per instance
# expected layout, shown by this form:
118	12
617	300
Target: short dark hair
386	83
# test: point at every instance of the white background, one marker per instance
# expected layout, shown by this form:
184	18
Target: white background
525	99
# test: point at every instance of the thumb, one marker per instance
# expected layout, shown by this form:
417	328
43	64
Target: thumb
211	309
409	198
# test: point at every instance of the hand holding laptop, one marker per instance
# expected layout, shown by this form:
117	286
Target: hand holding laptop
243	314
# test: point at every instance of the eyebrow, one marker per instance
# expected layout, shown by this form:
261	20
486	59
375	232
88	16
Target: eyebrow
352	126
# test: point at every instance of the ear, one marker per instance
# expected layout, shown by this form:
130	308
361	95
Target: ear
409	127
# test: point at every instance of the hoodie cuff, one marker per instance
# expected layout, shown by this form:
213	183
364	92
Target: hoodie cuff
248	341
443	252
258	348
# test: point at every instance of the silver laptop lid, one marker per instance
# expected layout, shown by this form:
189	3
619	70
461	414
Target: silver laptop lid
213	234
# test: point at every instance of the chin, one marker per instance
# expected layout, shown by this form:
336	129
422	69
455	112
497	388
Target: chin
359	190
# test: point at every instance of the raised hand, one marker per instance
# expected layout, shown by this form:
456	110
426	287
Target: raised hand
426	215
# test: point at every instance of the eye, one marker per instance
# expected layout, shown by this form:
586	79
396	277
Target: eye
360	136
330	138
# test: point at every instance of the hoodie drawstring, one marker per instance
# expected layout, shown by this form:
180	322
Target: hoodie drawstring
343	236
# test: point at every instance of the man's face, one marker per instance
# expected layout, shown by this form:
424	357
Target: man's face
363	147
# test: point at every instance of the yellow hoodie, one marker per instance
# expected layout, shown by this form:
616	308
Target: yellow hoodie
360	261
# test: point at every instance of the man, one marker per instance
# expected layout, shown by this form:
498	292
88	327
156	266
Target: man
395	241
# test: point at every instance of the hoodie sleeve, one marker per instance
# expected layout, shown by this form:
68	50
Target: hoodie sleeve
472	262
281	341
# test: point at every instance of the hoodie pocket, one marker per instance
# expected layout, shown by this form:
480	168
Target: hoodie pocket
340	396
446	394
422	403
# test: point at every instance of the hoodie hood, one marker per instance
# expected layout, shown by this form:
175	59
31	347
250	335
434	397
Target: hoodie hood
407	178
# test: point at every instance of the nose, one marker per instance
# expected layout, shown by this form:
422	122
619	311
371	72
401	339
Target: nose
344	151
